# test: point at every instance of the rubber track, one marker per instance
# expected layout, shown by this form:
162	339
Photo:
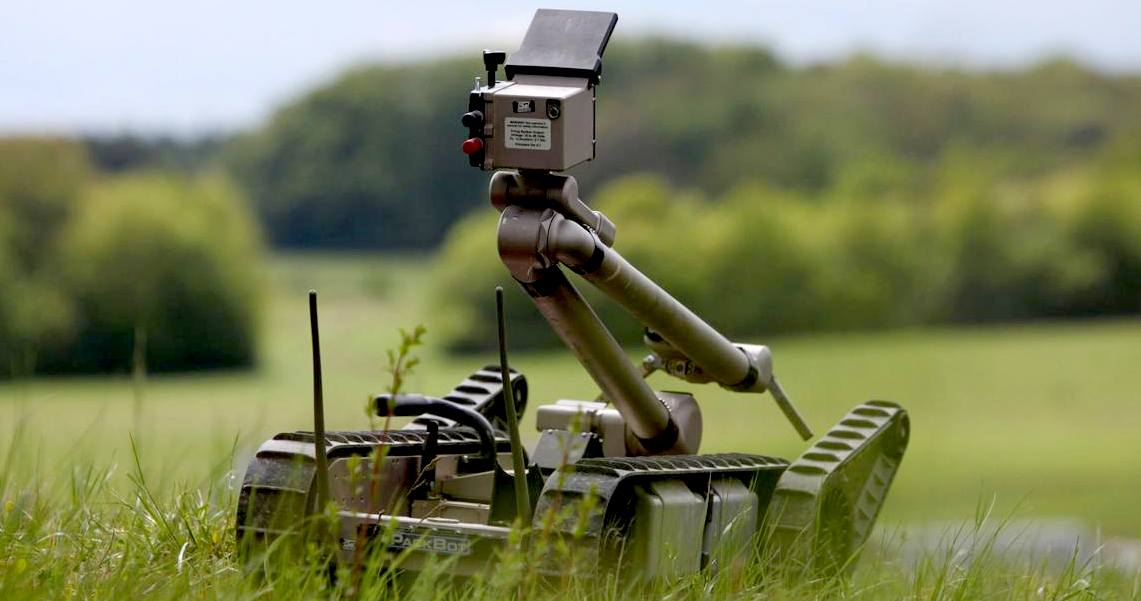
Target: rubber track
826	503
609	480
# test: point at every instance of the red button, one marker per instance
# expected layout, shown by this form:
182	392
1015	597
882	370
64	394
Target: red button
472	145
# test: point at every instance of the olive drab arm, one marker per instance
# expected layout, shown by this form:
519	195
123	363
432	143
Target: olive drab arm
543	224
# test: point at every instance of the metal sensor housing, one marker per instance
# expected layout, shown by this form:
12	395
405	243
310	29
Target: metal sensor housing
542	116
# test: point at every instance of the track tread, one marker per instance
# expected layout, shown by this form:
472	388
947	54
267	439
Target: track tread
837	469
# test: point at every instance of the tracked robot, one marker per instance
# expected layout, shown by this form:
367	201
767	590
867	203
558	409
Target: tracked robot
623	472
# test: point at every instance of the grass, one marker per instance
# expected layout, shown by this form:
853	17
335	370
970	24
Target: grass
94	542
1043	417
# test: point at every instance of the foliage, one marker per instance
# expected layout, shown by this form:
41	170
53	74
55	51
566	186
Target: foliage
79	534
86	262
178	259
371	160
40	180
764	260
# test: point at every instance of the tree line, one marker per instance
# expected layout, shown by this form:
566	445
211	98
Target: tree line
852	194
372	159
760	260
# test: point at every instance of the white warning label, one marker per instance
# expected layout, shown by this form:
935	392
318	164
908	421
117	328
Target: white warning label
527	134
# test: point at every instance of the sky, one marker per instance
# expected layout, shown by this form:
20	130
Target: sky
190	68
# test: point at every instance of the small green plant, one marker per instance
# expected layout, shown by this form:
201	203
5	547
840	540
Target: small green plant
401	363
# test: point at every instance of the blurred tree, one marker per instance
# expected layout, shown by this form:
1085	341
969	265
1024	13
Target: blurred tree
370	161
40	182
177	258
40	179
1102	217
464	274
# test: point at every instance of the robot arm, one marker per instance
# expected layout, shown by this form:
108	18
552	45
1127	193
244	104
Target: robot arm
537	122
537	236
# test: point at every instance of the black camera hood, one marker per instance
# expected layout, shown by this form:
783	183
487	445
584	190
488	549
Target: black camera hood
563	43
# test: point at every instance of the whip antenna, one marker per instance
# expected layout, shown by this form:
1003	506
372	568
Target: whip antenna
522	496
318	408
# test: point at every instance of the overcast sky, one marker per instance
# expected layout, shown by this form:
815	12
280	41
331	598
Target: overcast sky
195	66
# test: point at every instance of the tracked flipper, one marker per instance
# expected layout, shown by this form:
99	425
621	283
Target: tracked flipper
827	501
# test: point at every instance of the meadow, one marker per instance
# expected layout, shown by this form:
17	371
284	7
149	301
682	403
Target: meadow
1041	418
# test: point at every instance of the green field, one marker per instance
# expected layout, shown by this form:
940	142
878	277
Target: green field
1042	418
1046	417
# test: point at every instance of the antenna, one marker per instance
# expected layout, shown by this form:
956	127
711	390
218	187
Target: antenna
322	475
522	496
789	409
